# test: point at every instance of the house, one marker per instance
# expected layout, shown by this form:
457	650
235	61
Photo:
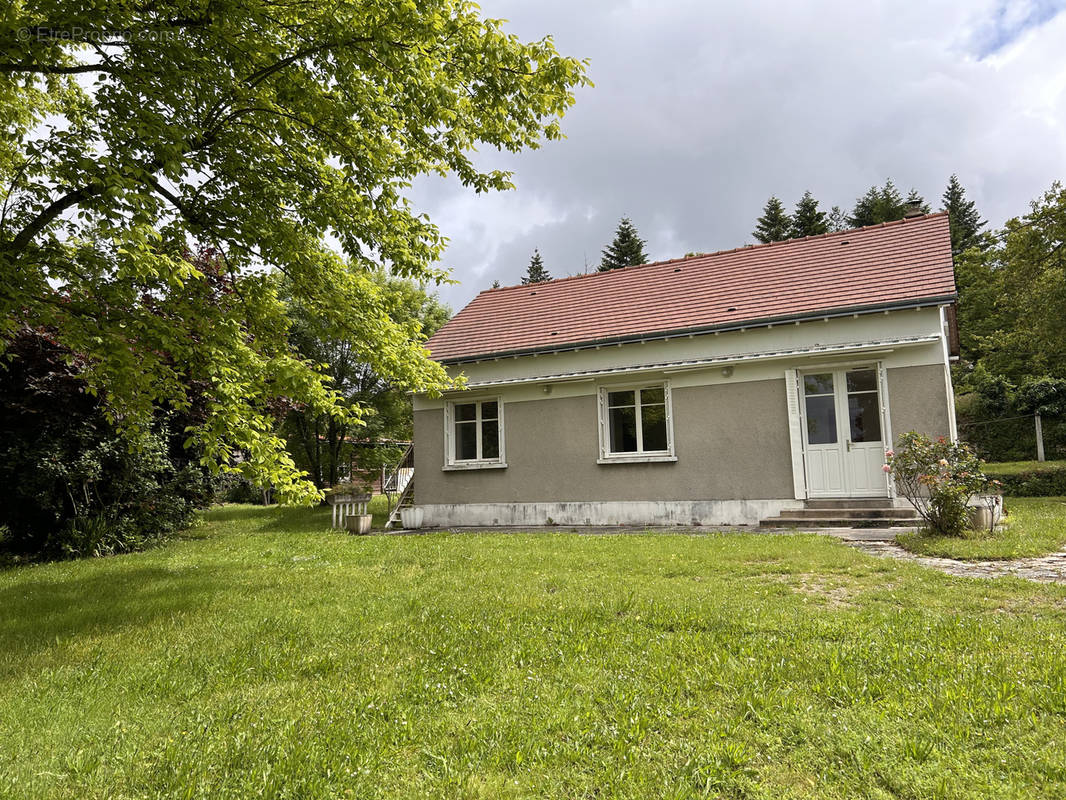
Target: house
723	388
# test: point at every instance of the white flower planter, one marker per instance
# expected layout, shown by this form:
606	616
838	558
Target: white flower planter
411	518
359	523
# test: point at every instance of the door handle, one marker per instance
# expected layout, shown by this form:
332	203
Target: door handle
849	445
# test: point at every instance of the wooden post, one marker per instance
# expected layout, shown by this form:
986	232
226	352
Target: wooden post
1039	438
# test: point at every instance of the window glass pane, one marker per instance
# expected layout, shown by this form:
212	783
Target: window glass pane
653	427
821	420
818	384
465	441
620	398
865	419
490	439
465	411
653	395
862	380
623	422
488	410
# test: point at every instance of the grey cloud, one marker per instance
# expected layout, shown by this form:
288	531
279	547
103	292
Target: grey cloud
700	111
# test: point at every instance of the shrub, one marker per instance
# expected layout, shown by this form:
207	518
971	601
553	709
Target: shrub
74	485
939	477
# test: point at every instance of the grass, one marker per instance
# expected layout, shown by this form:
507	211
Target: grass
1035	526
1018	467
262	656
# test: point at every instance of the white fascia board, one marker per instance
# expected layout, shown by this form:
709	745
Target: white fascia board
866	348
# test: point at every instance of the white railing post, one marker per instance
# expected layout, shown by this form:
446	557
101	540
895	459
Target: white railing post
1039	438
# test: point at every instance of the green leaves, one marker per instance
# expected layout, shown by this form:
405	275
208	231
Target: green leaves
269	137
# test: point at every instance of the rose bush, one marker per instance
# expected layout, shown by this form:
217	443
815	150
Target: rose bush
939	477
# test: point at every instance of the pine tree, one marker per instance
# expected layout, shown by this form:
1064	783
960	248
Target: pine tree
536	273
626	250
837	220
808	219
966	222
495	284
884	204
774	224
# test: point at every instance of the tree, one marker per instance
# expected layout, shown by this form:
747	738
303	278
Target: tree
879	204
322	444
265	132
774	224
536	273
627	249
808	219
837	220
915	202
495	284
1011	295
965	220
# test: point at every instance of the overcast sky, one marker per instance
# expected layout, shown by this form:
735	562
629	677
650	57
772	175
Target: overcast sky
701	110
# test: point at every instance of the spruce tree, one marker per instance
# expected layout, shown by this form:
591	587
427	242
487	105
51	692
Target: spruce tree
837	220
626	250
966	222
808	219
774	224
536	273
879	204
495	284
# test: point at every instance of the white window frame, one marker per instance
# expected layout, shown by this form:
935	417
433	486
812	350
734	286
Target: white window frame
641	456
450	461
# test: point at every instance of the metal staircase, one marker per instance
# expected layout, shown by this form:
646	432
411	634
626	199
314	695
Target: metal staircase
399	481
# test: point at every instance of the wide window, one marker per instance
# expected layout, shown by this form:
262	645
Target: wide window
474	433
635	423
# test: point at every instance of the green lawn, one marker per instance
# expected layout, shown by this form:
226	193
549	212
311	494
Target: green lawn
1035	526
263	656
1017	467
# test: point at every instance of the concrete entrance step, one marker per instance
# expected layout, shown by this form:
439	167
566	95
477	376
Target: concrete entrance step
878	512
857	502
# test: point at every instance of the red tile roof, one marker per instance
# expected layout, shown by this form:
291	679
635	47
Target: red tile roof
895	263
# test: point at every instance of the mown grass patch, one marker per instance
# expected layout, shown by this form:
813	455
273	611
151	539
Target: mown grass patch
263	656
1035	526
1018	467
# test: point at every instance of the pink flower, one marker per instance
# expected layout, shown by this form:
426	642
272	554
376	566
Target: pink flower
886	468
890	453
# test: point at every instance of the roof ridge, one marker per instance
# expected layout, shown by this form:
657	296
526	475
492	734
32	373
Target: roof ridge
742	248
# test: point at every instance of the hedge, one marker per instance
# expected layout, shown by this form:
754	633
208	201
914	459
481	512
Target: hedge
1048	482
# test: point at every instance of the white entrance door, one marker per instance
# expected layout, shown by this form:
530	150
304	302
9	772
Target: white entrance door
842	433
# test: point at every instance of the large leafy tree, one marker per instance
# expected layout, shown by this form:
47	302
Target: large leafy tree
966	222
535	272
1011	295
626	250
808	219
322	443
281	134
774	225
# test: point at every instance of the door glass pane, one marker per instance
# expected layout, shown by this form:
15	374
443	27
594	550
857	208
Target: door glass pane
464	411
488	410
465	441
818	384
653	427
623	422
865	418
862	380
490	439
653	395
821	420
620	398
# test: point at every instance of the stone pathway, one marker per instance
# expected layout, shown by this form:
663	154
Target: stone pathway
1045	569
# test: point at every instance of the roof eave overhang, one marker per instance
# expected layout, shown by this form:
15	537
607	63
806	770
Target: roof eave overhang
677	333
